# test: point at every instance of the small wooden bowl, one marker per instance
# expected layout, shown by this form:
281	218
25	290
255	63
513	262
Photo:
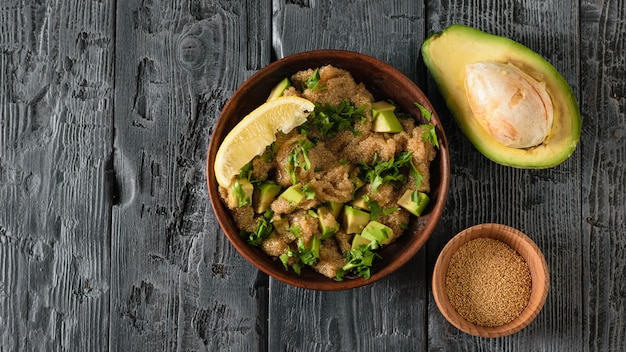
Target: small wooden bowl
524	247
384	82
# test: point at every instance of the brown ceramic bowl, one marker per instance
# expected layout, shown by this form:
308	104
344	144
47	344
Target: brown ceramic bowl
525	247
384	82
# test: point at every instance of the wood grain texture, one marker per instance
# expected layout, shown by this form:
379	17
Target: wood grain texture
56	92
604	177
544	204
177	283
107	238
389	314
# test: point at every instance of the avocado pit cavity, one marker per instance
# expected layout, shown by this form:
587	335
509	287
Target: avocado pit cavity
511	105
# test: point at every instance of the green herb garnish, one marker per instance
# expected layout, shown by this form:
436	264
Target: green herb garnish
314	80
246	171
375	210
380	172
263	230
360	262
304	255
270	153
296	230
309	193
329	120
430	134
243	198
293	160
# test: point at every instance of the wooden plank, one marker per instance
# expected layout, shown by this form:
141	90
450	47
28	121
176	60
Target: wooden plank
545	204
603	25
177	284
388	315
56	90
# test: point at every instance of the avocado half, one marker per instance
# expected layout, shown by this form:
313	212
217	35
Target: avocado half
448	52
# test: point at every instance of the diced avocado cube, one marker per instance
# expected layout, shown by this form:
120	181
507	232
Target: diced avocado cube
279	89
387	121
281	225
294	194
264	195
354	220
241	193
414	202
358	241
382	105
377	233
335	208
360	202
328	222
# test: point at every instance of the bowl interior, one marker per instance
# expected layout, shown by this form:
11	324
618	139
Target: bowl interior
525	247
384	82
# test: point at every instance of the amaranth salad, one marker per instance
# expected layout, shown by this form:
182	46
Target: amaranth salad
334	190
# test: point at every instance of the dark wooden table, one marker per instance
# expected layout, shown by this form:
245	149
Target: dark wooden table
107	238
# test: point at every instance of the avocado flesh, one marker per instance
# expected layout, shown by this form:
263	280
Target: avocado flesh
414	206
294	194
335	208
358	241
328	223
354	220
447	53
380	106
264	195
279	89
385	119
241	193
377	233
360	201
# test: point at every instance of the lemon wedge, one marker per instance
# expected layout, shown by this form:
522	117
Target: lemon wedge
255	132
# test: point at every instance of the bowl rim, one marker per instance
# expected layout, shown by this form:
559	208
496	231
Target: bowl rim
427	225
523	245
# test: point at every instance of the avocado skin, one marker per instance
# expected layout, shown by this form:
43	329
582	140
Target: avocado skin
445	55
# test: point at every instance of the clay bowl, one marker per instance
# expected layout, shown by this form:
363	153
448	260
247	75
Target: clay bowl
384	82
525	247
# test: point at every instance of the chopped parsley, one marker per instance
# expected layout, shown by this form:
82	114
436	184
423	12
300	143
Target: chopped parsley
296	230
330	120
239	190
304	255
314	80
270	153
359	262
309	193
376	210
263	230
381	171
430	135
246	171
294	162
